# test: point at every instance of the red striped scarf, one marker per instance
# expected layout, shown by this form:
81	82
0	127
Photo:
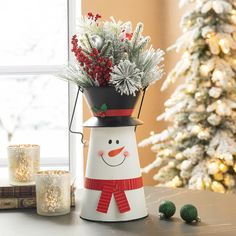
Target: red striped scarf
116	187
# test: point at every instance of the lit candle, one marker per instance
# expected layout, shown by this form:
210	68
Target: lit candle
23	163
53	192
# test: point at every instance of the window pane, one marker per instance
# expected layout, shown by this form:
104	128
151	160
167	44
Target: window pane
33	32
34	109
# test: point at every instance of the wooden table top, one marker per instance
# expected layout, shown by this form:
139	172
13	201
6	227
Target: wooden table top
217	211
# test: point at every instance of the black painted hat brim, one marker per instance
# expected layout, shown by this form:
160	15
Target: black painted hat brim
117	121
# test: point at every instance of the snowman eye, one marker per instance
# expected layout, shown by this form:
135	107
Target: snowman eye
117	141
110	141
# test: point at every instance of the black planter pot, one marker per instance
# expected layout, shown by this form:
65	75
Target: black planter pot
109	108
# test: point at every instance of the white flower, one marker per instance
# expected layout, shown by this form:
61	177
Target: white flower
126	78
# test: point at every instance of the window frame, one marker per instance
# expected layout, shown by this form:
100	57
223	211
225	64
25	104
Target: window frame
75	147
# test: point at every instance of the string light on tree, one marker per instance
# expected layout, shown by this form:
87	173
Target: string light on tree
204	70
224	44
233	17
218	176
233	12
210	35
152	133
217	75
217	187
192	44
191	88
223	168
196	129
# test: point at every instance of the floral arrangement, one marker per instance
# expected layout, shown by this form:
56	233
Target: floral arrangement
110	54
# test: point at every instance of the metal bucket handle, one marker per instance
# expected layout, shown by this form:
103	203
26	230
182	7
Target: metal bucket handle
72	116
75	104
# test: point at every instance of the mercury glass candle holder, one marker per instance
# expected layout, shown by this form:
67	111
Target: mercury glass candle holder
53	192
23	163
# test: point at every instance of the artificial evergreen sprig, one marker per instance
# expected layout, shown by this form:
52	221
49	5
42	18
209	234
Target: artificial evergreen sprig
88	42
106	49
148	62
136	42
110	54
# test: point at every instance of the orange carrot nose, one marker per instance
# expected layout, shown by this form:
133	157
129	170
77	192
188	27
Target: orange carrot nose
115	152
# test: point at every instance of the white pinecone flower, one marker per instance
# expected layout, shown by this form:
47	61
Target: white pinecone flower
126	78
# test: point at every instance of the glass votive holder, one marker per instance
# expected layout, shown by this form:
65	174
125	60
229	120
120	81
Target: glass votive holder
53	192
23	163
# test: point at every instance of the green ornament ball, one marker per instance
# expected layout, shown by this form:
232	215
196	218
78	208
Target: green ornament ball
166	209
189	213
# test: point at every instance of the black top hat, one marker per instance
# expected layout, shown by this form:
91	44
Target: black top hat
110	108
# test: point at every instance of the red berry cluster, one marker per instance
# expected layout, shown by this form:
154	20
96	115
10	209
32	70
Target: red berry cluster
96	66
94	17
129	36
100	114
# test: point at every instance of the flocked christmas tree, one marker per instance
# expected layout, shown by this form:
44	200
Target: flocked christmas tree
198	150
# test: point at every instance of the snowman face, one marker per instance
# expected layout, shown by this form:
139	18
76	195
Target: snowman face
112	153
115	155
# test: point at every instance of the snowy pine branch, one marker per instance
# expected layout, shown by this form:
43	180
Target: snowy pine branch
200	150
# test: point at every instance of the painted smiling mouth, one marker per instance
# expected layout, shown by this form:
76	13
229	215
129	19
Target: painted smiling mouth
113	165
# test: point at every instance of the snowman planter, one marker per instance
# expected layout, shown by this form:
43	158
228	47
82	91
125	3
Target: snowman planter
113	182
113	64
